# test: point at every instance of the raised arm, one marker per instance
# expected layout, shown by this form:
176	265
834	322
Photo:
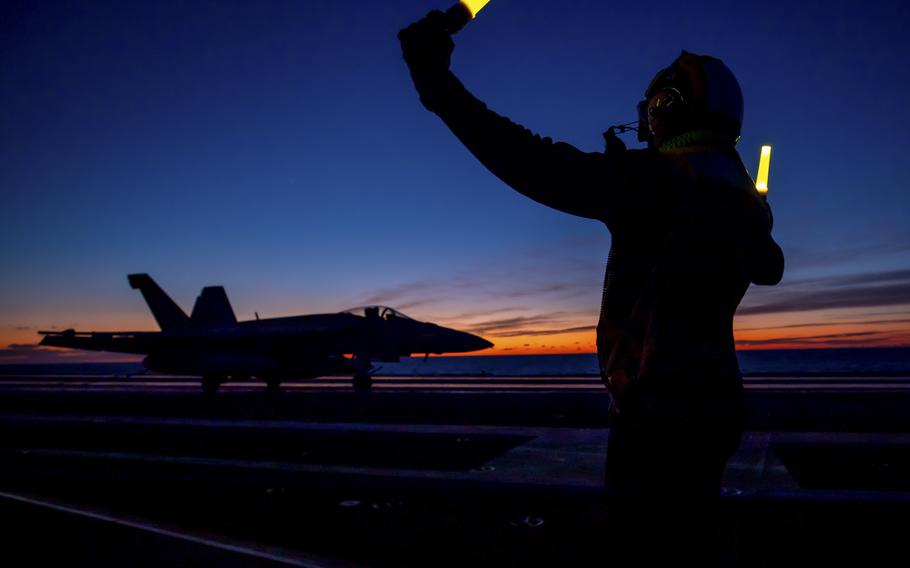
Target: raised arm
555	174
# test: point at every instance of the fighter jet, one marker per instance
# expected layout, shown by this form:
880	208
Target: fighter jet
212	344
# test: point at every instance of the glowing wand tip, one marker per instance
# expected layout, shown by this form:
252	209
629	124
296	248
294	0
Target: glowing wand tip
474	6
460	14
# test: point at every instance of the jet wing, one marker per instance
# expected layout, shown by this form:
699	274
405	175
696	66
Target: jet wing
264	339
119	342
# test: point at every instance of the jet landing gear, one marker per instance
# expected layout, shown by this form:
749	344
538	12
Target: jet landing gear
272	385
362	382
210	384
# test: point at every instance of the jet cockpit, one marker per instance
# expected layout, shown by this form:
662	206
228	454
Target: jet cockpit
381	312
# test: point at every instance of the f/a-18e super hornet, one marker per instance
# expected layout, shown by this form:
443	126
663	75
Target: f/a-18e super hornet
211	343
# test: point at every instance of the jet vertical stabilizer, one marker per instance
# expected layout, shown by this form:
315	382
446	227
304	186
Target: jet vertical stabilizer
212	308
168	314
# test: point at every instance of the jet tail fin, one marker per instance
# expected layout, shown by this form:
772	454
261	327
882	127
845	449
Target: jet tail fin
168	314
213	308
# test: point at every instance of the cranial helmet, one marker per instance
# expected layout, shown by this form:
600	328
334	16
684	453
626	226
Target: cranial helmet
702	89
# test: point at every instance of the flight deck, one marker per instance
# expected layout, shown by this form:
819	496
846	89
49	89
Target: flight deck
421	471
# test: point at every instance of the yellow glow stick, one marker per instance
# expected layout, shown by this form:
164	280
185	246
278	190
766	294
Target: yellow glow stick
474	6
764	164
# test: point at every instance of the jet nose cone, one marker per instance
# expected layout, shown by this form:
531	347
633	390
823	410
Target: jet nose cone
476	343
447	340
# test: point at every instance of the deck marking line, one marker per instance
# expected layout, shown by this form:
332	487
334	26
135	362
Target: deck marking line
307	563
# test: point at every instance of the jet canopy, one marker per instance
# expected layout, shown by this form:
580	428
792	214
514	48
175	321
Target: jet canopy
382	312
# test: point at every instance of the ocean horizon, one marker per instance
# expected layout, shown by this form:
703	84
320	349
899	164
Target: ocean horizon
869	361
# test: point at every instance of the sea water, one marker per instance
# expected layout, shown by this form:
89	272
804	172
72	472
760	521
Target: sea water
893	361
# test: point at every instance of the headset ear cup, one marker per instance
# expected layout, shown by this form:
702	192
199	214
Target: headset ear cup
676	99
668	107
669	102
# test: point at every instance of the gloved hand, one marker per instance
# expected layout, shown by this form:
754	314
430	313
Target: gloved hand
770	215
426	45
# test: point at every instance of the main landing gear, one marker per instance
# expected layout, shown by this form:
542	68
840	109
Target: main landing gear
210	384
362	382
272	385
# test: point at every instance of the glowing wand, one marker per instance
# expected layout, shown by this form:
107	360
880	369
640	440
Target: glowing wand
764	163
460	14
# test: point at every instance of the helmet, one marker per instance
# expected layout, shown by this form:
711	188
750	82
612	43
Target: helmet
704	90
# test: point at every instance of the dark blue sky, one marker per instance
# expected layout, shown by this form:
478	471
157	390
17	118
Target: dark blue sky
279	148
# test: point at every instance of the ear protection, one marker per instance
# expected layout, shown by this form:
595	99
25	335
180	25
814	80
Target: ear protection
696	91
665	103
663	99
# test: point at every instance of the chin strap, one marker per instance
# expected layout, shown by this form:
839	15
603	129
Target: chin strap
695	138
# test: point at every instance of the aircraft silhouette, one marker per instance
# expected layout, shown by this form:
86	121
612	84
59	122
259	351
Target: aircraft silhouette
211	343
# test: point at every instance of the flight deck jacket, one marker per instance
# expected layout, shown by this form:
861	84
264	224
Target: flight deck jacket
689	234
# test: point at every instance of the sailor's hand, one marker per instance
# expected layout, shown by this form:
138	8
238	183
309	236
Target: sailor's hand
426	45
770	215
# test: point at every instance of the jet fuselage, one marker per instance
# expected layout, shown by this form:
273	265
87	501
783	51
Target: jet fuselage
213	344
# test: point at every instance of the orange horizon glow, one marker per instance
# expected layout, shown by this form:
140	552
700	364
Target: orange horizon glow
553	348
818	330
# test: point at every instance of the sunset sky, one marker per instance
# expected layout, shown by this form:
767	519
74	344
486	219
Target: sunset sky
279	149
